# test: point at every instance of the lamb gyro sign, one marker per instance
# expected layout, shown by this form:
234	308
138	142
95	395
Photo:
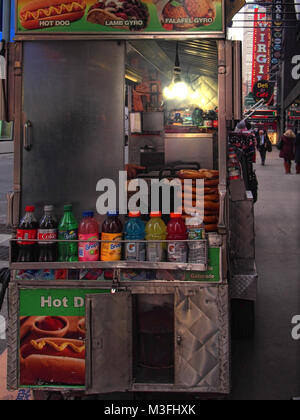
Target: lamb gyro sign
123	17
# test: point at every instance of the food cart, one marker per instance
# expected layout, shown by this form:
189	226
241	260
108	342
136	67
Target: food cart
142	326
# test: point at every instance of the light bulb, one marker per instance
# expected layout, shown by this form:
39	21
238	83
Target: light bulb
180	90
168	92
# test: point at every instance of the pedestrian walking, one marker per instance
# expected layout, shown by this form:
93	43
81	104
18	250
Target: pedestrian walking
297	152
263	145
287	151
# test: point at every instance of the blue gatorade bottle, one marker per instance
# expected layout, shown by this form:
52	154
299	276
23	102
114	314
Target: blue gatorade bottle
135	231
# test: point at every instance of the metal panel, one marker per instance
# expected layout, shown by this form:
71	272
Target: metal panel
108	342
244	280
229	80
190	148
202	335
13	338
77	130
242	229
237	80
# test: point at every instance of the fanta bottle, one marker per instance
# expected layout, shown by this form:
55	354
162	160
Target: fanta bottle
176	232
156	230
135	230
88	232
112	230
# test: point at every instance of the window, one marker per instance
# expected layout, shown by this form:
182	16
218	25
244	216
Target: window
6	131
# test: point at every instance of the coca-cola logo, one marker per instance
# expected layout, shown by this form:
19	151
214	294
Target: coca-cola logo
47	236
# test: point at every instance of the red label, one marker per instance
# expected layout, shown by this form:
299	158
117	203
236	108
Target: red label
47	235
26	234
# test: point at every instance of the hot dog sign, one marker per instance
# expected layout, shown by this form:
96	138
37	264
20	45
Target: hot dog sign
119	16
52	334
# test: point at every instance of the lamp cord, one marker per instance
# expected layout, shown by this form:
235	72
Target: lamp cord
177	64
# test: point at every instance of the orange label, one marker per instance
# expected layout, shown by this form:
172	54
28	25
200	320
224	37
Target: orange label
111	251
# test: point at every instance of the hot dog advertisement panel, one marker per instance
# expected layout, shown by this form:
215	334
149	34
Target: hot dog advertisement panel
52	337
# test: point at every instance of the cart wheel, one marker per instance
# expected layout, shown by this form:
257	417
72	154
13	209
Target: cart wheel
242	318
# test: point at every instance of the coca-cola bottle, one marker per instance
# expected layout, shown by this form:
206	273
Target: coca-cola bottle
47	232
27	230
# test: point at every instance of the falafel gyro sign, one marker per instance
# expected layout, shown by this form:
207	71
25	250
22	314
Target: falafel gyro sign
120	17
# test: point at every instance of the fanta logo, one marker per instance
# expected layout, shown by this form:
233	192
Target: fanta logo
115	246
89	247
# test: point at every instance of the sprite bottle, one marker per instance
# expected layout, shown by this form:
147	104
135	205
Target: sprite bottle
68	230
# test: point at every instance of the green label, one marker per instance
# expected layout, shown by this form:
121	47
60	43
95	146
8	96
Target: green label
47	302
213	272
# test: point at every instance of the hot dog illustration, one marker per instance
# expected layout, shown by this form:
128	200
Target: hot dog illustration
53	360
36	13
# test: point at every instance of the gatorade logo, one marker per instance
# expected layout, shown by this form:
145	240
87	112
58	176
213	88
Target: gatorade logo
131	248
171	248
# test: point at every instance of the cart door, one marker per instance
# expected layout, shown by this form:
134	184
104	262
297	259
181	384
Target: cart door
201	334
108	342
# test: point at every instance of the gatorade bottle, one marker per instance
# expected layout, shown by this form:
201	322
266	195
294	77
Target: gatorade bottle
67	230
135	230
196	232
88	231
156	230
112	230
176	231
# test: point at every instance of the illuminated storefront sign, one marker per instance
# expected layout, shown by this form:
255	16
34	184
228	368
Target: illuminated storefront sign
261	48
277	39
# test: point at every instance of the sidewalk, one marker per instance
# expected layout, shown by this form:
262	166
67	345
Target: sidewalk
269	366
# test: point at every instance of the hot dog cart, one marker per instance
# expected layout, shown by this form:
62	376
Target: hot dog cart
143	326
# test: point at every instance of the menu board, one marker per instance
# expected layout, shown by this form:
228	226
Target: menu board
120	17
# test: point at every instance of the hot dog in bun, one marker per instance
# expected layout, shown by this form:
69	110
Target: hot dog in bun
53	360
34	14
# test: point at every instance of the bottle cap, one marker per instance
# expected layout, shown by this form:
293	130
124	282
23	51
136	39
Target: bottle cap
155	214
175	215
68	207
29	209
113	213
134	214
88	214
48	208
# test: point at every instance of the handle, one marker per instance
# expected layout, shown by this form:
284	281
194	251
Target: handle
10	206
26	139
221	224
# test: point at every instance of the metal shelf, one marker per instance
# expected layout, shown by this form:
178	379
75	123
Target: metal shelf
122	265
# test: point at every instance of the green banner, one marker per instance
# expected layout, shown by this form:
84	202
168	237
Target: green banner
54	302
213	272
126	17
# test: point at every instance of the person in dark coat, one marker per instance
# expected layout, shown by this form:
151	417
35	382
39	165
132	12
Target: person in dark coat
288	150
262	139
297	152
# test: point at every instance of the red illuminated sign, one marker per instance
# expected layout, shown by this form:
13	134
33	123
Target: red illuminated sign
261	48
